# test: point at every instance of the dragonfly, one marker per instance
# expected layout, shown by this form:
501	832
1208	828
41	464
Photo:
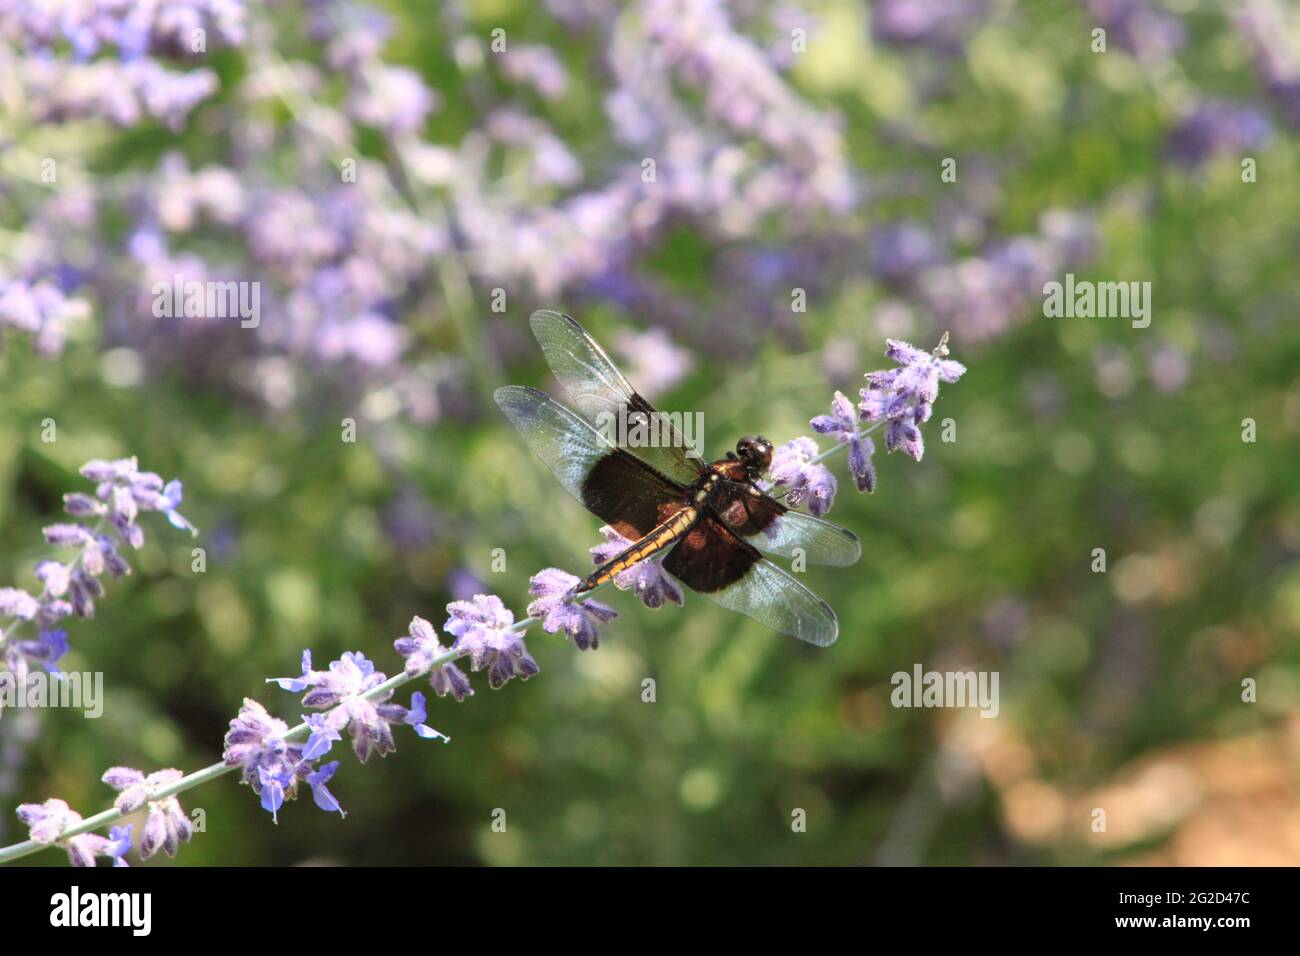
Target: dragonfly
712	522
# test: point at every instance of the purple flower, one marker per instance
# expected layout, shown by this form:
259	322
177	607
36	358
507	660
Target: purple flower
646	578
538	67
273	786
900	250
421	648
55	576
1138	27
18	603
349	676
44	650
938	25
483	628
810	481
415	717
48	821
558	610
1214	127
297	684
322	736
393	99
842	425
320	793
166	827
341	691
271	765
903	397
119	844
657	364
169	500
904	434
135	788
80	505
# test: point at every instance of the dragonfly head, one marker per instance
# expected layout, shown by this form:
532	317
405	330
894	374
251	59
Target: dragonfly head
756	453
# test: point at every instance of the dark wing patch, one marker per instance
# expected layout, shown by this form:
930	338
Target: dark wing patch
709	558
625	492
713	561
769	526
628	494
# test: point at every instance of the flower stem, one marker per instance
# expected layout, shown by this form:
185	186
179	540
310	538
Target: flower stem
212	772
822	456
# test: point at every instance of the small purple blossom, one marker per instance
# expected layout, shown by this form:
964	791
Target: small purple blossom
558	611
903	397
271	765
421	648
1214	127
842	425
43	651
119	844
647	579
322	736
416	715
135	788
273	786
169	500
484	629
808	481
166	825
18	603
48	821
342	691
320	793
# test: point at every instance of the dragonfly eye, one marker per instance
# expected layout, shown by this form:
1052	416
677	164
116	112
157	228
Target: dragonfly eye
755	452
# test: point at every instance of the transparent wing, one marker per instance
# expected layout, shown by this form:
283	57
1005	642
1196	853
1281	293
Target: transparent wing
605	397
624	491
710	559
769	526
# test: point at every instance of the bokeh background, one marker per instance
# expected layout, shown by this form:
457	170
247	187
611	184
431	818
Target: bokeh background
406	193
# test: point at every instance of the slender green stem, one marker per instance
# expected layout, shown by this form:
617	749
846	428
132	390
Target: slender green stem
189	781
8	633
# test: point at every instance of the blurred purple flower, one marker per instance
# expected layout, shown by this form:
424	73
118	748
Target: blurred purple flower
900	250
1138	27
937	25
1266	27
538	67
1215	127
656	363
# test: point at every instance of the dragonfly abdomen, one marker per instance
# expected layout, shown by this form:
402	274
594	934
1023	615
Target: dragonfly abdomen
657	539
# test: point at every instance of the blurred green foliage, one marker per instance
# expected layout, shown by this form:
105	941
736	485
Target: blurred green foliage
1200	529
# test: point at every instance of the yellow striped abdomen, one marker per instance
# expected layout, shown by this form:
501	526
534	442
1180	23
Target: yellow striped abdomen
660	537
